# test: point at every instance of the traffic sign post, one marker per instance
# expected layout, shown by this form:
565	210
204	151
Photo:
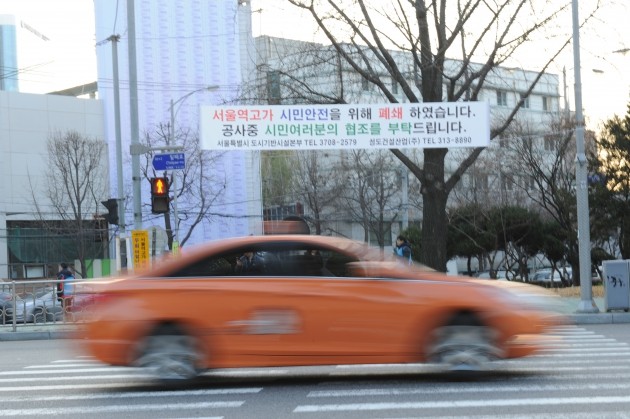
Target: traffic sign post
169	161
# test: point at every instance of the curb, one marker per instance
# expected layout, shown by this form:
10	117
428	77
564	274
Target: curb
18	336
600	318
53	333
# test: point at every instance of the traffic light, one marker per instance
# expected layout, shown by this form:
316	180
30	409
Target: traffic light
159	195
112	207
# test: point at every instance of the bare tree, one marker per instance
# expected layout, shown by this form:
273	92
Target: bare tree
199	185
363	34
371	192
277	172
317	185
75	185
546	161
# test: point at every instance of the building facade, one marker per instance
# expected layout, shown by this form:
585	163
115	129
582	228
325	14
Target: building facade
295	72
187	54
27	122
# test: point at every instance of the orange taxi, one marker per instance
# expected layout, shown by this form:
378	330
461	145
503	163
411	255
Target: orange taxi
296	300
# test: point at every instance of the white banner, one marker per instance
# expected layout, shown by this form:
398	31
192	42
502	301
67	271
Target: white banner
368	126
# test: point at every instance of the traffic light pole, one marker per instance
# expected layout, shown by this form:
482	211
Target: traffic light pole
175	245
142	149
122	237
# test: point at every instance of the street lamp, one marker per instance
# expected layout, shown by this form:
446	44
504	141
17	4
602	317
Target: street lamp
586	305
173	112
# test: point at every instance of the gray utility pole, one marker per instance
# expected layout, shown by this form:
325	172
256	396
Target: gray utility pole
119	176
586	305
133	116
122	239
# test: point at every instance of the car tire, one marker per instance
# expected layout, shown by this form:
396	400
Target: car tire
464	344
169	354
39	316
54	314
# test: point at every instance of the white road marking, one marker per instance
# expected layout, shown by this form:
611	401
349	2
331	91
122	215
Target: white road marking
112	396
74	378
529	402
68	371
120	408
477	388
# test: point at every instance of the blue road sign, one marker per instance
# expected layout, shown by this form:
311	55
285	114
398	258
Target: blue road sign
169	161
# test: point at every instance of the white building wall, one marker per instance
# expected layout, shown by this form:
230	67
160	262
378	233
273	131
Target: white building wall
181	47
26	123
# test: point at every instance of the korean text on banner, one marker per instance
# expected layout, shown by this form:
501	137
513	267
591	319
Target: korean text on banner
345	126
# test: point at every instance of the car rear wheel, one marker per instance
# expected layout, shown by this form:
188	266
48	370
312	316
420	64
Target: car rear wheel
464	344
39	315
169	354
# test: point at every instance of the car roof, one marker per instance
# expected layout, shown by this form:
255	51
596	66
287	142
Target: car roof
264	242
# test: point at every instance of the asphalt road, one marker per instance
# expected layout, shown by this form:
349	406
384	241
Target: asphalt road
586	376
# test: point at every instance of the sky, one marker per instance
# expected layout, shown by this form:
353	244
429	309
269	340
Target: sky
72	59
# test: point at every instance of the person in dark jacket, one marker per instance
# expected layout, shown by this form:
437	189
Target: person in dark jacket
403	248
250	263
63	274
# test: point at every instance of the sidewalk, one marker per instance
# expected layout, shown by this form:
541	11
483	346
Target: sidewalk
71	331
39	332
602	317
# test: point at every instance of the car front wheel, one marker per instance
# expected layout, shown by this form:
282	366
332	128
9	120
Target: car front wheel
464	345
169	354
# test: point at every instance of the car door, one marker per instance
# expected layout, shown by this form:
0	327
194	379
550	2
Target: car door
299	310
319	314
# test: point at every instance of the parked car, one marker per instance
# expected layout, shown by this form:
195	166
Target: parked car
41	306
548	277
6	302
311	300
498	274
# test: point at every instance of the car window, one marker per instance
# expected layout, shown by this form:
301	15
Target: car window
273	260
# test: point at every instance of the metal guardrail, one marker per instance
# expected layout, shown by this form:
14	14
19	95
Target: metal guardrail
36	302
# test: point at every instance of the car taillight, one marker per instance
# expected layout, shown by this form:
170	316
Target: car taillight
100	298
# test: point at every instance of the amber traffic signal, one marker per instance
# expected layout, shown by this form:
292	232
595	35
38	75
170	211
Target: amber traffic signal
159	195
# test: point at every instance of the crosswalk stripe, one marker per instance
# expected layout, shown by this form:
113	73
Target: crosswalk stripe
346	407
120	408
112	396
68	371
477	388
74	378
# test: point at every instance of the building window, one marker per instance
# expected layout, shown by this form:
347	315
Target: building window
273	87
507	182
394	87
387	233
365	84
549	143
481	182
501	98
525	101
529	183
546	103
